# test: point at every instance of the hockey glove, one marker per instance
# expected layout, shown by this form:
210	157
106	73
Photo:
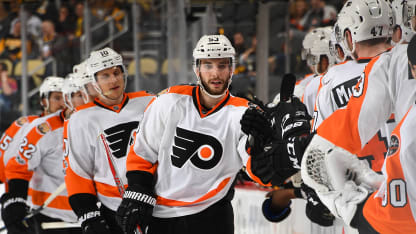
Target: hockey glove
315	210
13	212
136	208
292	118
255	123
93	223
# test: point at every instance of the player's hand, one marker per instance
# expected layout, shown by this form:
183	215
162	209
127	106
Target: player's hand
13	211
277	206
93	223
136	208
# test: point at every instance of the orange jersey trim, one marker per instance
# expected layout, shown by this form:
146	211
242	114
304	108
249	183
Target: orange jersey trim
85	106
139	94
108	190
254	177
345	121
218	105
39	197
136	163
235	101
76	184
181	89
212	193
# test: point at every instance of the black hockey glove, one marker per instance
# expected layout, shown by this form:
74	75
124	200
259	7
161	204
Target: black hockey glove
292	118
256	123
85	207
13	212
136	208
315	210
93	223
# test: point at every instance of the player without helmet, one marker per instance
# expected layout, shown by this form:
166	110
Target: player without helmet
362	20
214	47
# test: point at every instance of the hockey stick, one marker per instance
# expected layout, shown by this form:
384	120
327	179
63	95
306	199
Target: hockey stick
117	179
287	87
45	204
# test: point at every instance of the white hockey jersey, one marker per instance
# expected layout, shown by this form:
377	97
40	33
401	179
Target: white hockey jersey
392	209
338	87
40	162
385	88
194	155
89	170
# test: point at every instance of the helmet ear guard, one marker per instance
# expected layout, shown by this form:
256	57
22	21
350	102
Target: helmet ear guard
404	11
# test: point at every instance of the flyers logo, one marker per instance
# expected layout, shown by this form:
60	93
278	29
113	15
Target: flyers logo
394	145
119	138
202	150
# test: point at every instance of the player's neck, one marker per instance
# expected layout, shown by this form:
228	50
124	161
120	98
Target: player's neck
370	51
207	101
111	102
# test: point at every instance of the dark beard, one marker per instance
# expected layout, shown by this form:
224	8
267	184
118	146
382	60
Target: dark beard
205	86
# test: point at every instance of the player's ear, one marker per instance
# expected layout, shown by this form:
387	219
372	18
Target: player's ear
348	37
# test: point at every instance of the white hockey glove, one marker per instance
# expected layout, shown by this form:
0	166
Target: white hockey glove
339	178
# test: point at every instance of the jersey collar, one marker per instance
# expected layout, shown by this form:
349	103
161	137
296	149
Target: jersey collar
116	108
197	102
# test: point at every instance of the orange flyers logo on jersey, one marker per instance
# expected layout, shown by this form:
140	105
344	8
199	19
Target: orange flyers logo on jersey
202	150
43	128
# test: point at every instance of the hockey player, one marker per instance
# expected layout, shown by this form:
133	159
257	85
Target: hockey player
317	57
7	142
116	115
391	208
36	172
188	152
363	40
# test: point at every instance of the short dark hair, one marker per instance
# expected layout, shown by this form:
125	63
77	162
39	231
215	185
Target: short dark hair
374	41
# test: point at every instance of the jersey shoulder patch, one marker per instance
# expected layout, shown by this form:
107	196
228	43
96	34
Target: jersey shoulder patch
43	128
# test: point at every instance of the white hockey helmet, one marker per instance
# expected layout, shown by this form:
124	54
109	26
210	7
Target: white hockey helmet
310	39
333	43
51	84
365	19
80	71
213	46
320	48
70	86
102	59
404	11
